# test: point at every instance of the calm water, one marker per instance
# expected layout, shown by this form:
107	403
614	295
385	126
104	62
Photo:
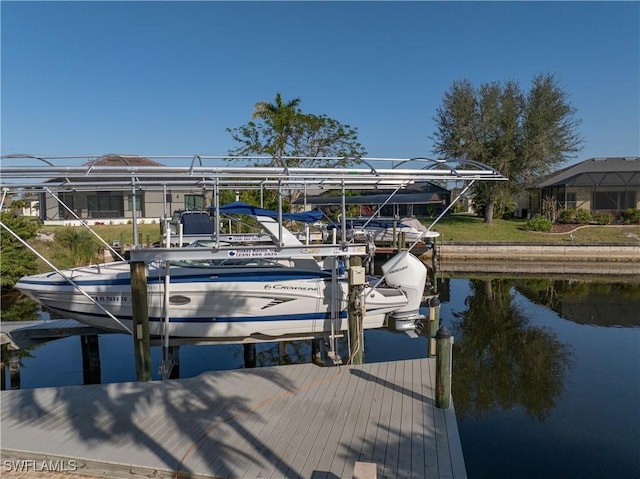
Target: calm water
546	378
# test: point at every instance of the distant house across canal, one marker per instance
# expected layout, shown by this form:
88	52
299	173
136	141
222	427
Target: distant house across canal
598	185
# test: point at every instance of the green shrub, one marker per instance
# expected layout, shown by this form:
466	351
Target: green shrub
538	223
582	217
630	216
574	216
79	243
604	218
567	216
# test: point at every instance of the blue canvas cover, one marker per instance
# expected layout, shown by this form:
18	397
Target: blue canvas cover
240	208
196	223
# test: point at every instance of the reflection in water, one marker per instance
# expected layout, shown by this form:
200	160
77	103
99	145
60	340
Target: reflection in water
500	359
545	380
18	307
597	303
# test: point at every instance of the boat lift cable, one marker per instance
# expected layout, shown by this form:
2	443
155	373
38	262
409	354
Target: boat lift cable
4	196
65	277
84	223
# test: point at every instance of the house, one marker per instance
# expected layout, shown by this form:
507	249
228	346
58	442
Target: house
23	205
599	185
115	204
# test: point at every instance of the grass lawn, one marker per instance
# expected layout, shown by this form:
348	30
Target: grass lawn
467	228
147	233
456	228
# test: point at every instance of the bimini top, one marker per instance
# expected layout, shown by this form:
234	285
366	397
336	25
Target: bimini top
240	208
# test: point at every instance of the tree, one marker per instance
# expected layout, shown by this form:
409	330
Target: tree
283	130
17	261
280	117
521	136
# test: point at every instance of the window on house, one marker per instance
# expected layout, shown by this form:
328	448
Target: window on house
104	205
614	200
193	202
139	202
67	199
568	200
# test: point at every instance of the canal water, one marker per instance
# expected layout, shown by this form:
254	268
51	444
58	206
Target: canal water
546	372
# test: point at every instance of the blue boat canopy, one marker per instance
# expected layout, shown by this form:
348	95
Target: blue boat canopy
240	208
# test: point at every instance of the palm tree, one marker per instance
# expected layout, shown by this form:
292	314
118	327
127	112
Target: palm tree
280	116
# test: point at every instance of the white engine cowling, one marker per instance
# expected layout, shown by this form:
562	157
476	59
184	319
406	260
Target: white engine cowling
409	274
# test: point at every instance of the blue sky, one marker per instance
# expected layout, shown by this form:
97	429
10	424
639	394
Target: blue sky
167	78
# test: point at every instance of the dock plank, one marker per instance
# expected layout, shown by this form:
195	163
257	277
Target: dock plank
330	461
280	414
296	421
318	439
355	428
412	465
381	422
285	418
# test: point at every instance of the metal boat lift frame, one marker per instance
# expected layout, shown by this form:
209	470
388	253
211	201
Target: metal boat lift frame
39	174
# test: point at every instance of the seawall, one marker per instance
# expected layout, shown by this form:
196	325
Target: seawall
538	258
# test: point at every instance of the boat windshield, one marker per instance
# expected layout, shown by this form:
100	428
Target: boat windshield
227	262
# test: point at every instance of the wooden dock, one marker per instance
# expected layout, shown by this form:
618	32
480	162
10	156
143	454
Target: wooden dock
295	421
22	334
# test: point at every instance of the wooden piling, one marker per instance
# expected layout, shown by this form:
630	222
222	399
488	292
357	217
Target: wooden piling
356	309
316	351
434	324
174	360
14	367
90	359
140	312
249	355
443	368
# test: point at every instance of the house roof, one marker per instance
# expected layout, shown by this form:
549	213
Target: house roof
112	160
416	193
122	160
620	171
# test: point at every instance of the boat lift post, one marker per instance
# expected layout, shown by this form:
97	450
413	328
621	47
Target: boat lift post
134	212
166	366
140	319
355	310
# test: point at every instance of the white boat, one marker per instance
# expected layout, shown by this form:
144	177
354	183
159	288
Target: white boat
241	293
236	298
387	230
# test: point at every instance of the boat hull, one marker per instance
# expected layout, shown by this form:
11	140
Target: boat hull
211	303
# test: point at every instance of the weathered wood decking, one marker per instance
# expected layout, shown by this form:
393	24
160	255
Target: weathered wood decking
297	421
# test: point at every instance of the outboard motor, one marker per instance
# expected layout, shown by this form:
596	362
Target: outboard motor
408	274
